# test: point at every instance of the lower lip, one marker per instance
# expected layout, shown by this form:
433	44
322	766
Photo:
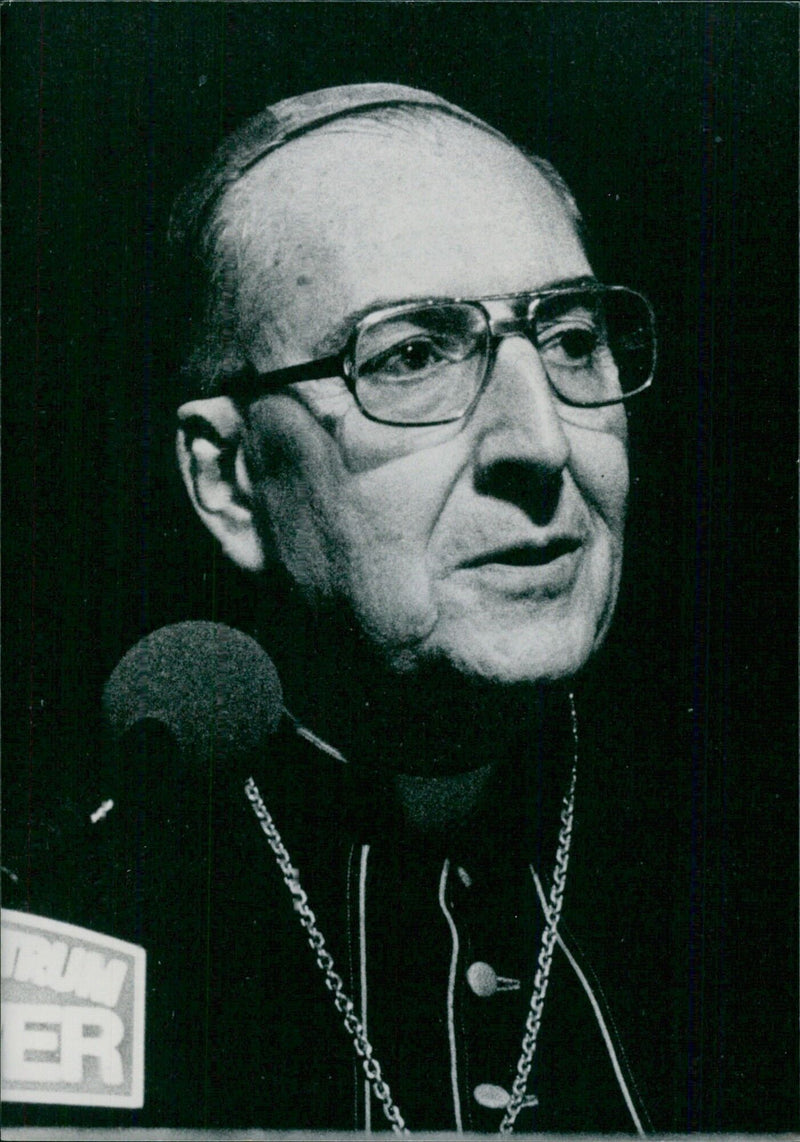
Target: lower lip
542	579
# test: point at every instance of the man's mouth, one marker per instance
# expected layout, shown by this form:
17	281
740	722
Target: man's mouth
526	554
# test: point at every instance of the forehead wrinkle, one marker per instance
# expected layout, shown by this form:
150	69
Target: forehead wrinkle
334	341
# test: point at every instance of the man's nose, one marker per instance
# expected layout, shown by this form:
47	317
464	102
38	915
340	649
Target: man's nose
517	416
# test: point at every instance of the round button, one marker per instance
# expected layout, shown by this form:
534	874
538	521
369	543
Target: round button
491	1096
482	979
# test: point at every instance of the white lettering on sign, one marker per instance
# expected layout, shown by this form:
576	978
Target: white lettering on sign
30	958
48	1043
73	1014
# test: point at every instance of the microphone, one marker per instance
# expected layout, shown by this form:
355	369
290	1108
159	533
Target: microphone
123	892
211	687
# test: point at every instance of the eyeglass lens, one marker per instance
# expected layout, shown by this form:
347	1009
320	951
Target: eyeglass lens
425	364
422	365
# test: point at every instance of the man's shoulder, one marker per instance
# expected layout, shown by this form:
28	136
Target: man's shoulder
154	834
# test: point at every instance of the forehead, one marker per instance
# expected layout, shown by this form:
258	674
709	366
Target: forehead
365	213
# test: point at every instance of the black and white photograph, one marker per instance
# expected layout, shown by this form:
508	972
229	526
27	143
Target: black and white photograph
400	569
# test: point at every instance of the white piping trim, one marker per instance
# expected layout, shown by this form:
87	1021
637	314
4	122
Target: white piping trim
362	958
302	732
451	992
352	937
598	1015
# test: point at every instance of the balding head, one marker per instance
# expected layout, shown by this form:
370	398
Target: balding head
224	220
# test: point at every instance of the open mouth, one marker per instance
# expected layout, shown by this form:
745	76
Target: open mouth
527	554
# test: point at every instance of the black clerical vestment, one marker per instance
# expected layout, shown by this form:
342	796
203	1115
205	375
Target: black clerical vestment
436	941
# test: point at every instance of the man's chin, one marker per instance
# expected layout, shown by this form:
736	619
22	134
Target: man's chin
534	655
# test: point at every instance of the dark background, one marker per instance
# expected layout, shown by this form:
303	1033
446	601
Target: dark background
676	127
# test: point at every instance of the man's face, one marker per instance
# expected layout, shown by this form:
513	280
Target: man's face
494	543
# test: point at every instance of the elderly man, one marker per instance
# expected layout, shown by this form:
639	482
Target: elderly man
405	416
407	410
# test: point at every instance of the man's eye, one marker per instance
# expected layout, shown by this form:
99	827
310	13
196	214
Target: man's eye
413	356
573	345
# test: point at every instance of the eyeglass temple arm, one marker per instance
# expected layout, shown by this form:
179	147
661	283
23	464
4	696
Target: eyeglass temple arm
251	381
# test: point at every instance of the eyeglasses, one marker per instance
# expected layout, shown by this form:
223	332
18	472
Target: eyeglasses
426	362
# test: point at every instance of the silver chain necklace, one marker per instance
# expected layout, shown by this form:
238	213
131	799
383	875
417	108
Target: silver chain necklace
345	1005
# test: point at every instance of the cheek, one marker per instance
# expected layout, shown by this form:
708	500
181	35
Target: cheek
365	444
357	538
296	476
384	526
600	469
599	466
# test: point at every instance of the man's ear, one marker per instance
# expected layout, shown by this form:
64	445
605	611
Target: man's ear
210	447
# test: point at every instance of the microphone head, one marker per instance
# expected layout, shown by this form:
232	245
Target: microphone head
213	687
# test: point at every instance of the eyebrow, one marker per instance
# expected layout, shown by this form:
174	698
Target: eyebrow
334	340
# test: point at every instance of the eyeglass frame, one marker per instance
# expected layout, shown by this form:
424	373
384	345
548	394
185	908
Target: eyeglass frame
341	364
